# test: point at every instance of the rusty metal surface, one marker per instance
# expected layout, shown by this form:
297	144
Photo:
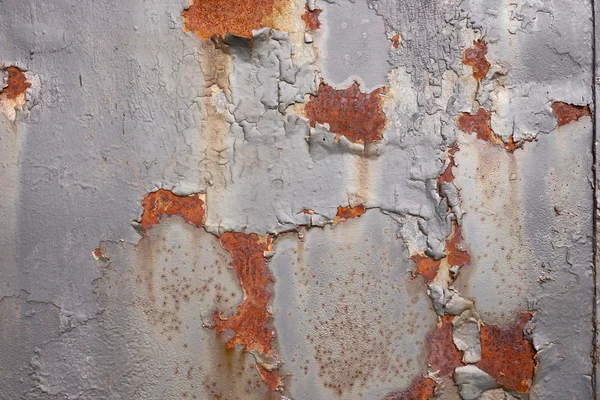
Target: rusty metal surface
291	199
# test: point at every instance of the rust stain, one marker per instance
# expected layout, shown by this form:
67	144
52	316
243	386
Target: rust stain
443	354
396	41
346	213
272	378
422	388
17	83
507	356
311	19
475	57
358	116
566	112
218	17
191	208
480	123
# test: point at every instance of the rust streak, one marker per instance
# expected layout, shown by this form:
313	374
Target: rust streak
358	116
480	123
422	388
311	19
566	112
507	356
17	84
443	354
191	208
475	57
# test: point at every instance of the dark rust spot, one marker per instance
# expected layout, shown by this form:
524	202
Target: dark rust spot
396	41
311	19
422	388
345	213
480	123
443	354
358	116
16	83
507	356
475	57
218	17
566	112
191	208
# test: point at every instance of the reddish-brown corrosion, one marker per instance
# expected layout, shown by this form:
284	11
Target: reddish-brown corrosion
443	354
358	116
480	123
507	356
191	208
250	323
422	388
345	213
272	378
475	57
16	83
311	19
566	112
427	267
396	41
448	175
218	17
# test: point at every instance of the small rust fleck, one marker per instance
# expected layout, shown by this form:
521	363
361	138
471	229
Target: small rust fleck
155	204
507	356
566	112
443	354
311	19
98	254
16	83
422	388
480	123
345	213
356	115
475	57
272	378
218	17
308	211
396	41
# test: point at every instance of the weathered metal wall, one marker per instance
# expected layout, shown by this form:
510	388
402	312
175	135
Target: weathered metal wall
282	199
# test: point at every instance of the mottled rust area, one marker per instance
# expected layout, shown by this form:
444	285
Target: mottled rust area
443	354
422	388
480	123
507	356
566	112
17	83
345	213
358	116
475	57
250	323
218	17
191	208
311	19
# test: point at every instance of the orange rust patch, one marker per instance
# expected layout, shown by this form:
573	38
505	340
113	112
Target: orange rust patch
475	57
507	356
396	41
427	267
16	83
566	112
311	19
456	256
272	378
191	208
443	354
345	213
218	17
448	175
480	123
250	323
358	116
422	388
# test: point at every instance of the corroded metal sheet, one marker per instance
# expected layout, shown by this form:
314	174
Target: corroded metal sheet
298	199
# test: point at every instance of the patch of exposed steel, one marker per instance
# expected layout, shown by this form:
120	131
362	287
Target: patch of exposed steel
422	388
566	112
190	208
311	19
345	213
507	356
480	123
12	97
349	112
475	57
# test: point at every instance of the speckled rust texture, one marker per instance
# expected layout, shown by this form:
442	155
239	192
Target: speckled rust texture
480	123
17	83
345	213
507	356
475	57
443	354
156	204
219	17
349	112
311	19
566	112
422	388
